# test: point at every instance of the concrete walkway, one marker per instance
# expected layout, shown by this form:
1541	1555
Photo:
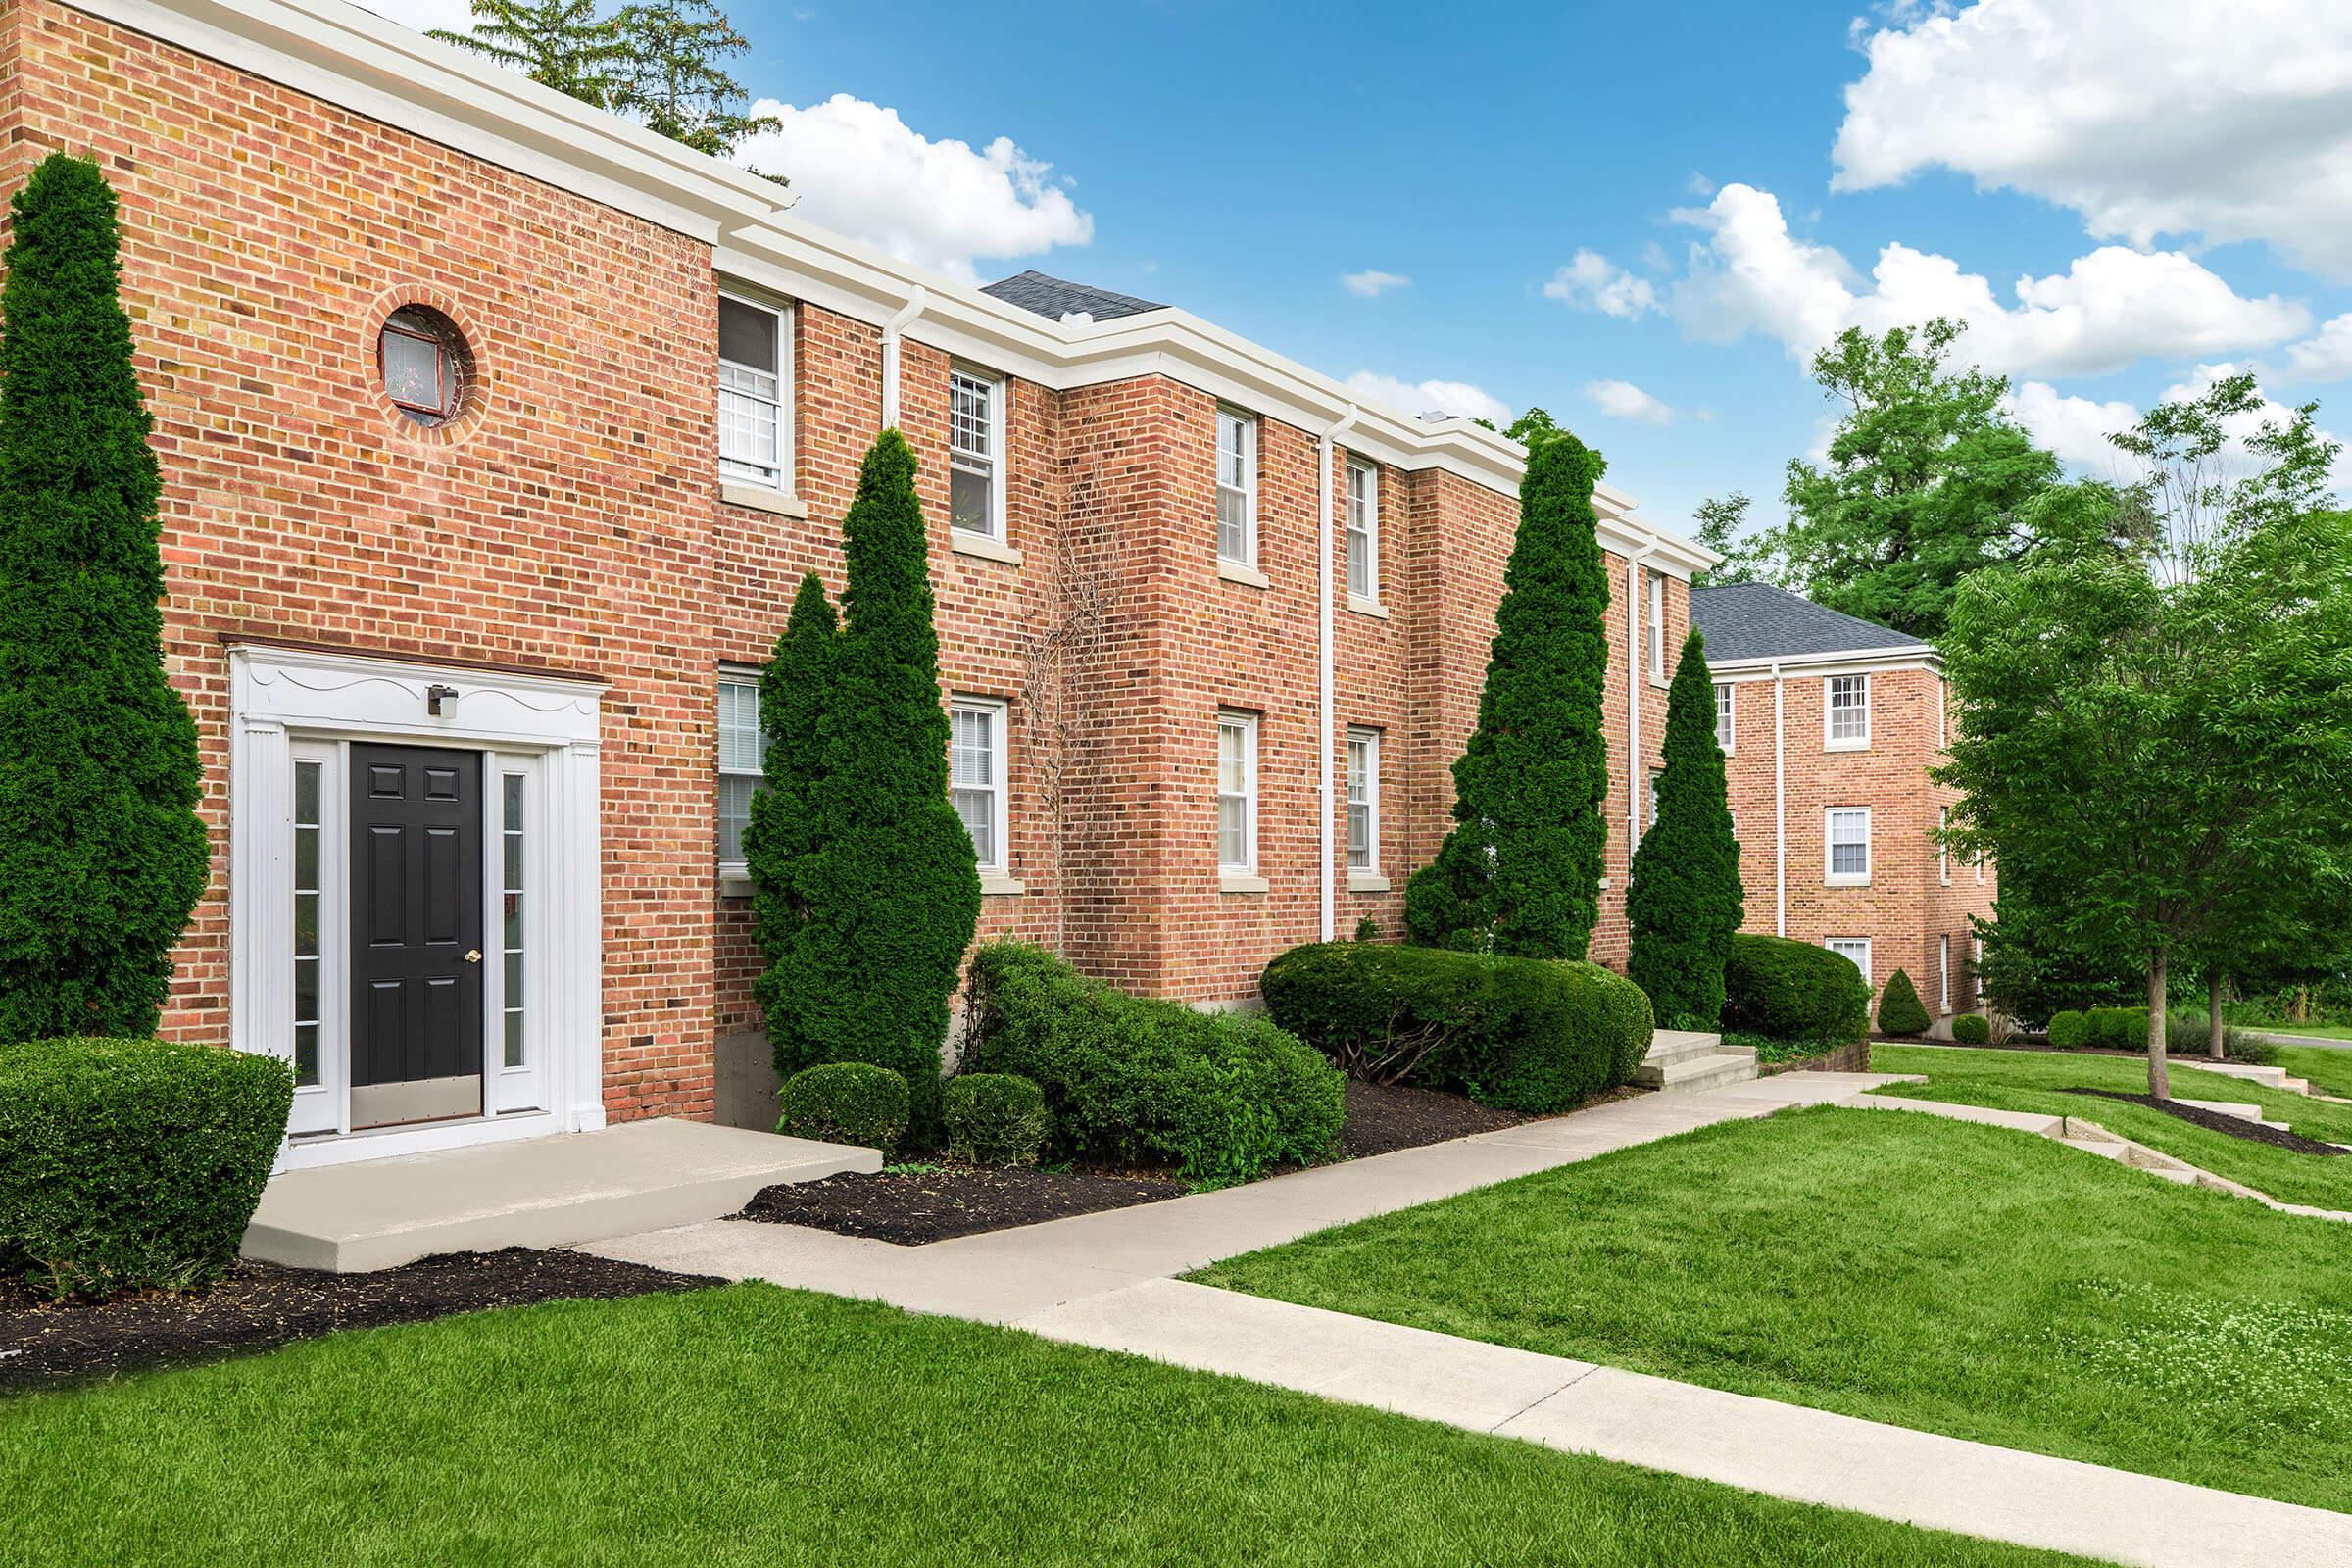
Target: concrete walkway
1105	1279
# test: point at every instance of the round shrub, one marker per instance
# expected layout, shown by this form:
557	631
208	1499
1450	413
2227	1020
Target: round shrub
994	1119
2069	1030
2119	1028
1525	1034
1791	990
1972	1029
132	1164
846	1103
1900	1011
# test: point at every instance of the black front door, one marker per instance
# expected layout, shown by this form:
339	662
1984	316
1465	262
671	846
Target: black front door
417	930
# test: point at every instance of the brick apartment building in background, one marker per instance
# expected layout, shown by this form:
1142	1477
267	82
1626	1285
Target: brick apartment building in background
496	433
1829	726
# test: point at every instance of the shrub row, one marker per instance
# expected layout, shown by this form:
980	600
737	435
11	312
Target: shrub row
132	1164
2100	1029
1139	1081
1524	1034
1792	990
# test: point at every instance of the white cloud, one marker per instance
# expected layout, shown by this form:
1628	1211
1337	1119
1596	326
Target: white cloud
1594	282
861	170
1424	397
1622	400
2150	118
2107	309
2326	356
1371	282
2074	427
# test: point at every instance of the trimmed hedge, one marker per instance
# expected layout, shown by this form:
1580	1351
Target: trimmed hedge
1222	1097
2119	1028
1524	1034
2069	1030
846	1103
1792	990
1972	1029
132	1164
994	1119
1900	1011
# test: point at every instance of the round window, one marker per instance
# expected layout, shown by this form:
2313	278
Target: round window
426	363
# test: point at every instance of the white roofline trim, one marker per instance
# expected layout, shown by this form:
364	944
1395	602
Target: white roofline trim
1837	661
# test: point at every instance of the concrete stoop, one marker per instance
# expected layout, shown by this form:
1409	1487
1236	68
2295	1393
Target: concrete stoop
535	1191
1685	1061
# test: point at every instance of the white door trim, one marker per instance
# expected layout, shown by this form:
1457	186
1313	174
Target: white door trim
282	697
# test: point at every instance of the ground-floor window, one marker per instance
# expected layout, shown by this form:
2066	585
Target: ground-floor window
976	775
1856	949
1363	800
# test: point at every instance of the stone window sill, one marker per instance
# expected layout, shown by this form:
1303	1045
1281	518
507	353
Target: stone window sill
1240	882
1246	576
982	547
1367	882
1367	607
734	883
997	883
762	499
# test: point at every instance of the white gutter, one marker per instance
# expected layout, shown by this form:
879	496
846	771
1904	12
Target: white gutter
898	323
1779	814
1323	672
1637	682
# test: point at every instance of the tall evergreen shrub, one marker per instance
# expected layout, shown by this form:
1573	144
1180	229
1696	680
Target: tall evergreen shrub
796	696
102	854
1684	899
889	886
1520	872
1900	1011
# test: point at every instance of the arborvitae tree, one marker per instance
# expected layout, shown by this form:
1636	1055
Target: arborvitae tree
796	693
1520	874
1684	900
674	80
889	886
564	44
102	854
1900	1011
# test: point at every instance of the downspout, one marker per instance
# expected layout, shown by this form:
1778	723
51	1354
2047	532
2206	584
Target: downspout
1637	683
898	322
1323	670
1779	814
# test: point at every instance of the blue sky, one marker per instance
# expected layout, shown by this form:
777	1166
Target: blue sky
1239	160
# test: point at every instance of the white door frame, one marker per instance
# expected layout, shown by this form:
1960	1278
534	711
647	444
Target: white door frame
290	701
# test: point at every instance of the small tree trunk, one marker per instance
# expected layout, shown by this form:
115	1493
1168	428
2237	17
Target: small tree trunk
2158	1084
2213	1015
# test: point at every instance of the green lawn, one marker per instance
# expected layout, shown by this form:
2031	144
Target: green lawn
750	1425
1928	1273
2030	1080
2322	1031
2328	1071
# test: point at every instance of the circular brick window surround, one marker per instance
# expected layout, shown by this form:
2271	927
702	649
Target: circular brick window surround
424	365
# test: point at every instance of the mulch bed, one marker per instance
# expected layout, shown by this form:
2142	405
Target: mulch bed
257	1305
913	1205
2234	1126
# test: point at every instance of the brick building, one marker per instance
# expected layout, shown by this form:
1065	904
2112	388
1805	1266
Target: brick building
1829	726
496	432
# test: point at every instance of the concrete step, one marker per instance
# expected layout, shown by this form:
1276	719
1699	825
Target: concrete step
2244	1110
534	1192
1682	1044
1690	1074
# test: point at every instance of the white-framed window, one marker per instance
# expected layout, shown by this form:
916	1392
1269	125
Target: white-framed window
755	393
1363	530
976	775
742	759
1944	967
1845	712
1980	870
309	886
1943	704
1236	487
1856	949
1847	835
976	452
1237	791
1363	800
1657	627
1654	796
1943	851
514	994
1725	715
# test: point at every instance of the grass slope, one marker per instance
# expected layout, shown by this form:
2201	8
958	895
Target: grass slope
2325	1069
1933	1274
750	1425
2030	1080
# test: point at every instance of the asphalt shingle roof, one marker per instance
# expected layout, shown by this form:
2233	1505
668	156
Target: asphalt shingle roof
1055	297
1756	620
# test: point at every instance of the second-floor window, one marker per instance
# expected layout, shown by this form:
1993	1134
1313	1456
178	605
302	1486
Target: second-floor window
1363	531
1848	857
1363	800
1725	712
1657	626
975	452
752	386
1236	487
1846	719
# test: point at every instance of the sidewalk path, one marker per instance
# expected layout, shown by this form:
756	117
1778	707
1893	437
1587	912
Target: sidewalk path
1105	1279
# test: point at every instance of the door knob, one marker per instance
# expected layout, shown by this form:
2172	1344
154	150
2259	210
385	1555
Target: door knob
474	955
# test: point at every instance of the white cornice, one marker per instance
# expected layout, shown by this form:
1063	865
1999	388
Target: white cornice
340	54
1839	661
